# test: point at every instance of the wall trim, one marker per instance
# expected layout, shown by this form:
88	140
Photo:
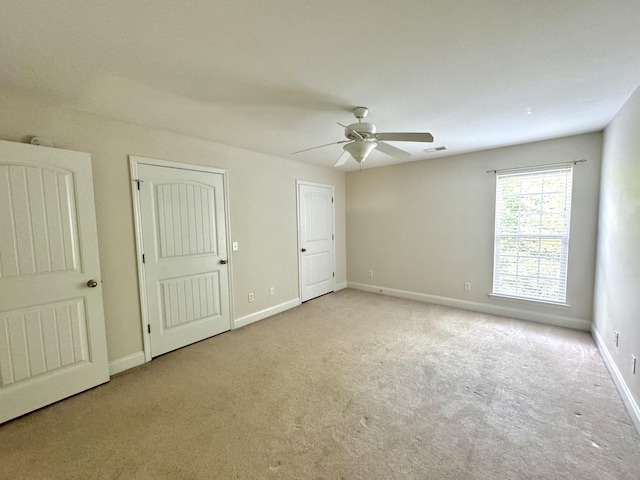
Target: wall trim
340	286
625	392
125	363
267	312
539	317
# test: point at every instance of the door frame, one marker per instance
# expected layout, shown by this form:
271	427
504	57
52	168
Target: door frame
134	162
299	243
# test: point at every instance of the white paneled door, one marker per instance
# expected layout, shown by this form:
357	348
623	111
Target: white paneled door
52	334
316	240
184	241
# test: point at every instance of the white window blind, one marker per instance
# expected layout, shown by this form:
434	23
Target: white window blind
533	213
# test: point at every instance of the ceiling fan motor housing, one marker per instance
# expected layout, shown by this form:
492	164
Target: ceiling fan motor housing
366	130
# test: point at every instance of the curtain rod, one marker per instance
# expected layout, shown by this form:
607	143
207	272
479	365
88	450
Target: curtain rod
574	162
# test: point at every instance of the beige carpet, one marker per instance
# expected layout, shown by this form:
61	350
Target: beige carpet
351	385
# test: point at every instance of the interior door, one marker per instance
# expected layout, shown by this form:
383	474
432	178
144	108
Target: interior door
52	334
316	240
182	214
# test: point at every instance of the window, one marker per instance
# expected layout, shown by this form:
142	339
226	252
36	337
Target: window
533	212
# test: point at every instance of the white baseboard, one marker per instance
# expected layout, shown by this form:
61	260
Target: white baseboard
340	286
547	318
125	363
625	393
267	312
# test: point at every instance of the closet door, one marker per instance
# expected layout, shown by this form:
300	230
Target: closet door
184	240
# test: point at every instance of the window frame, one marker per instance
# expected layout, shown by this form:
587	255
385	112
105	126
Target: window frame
499	274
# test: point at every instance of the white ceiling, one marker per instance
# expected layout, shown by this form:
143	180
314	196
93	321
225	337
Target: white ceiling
275	76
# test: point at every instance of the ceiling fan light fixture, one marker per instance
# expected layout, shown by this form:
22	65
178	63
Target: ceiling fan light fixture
359	149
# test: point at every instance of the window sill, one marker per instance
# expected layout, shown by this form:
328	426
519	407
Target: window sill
529	300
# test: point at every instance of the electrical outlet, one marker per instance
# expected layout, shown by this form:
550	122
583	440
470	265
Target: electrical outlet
252	297
616	337
272	291
467	286
370	273
634	361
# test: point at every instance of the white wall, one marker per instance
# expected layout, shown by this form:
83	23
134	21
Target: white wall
617	294
427	227
262	192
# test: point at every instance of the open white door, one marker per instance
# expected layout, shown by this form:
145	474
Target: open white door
316	240
52	335
184	242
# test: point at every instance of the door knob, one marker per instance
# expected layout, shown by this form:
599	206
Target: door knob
223	262
303	249
92	284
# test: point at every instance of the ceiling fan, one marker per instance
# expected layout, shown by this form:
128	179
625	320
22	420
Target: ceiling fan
362	139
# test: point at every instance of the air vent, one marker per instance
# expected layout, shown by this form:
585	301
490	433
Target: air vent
435	149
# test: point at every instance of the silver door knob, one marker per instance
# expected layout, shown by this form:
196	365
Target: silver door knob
223	262
92	284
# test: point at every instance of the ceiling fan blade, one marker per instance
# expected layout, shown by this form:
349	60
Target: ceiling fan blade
405	137
320	146
342	159
393	151
351	130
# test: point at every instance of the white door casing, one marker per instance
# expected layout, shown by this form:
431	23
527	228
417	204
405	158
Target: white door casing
52	333
316	239
183	239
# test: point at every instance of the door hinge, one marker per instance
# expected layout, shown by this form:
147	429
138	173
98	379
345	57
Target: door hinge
143	259
148	328
333	237
138	182
331	199
334	274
